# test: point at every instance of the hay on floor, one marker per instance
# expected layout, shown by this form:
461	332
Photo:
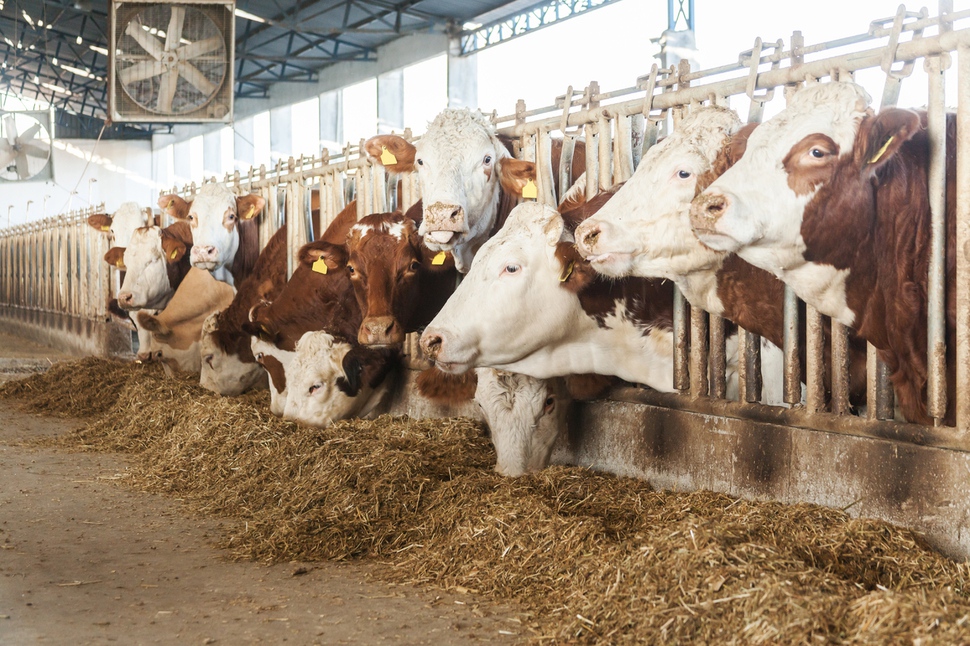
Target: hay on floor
587	557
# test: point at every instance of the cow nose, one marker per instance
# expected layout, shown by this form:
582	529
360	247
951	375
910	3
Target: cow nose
208	252
125	299
707	208
380	330
431	344
590	237
444	220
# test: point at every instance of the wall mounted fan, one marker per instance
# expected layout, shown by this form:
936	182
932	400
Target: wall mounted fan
171	61
25	146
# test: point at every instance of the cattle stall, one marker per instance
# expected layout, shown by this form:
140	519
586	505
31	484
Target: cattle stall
815	448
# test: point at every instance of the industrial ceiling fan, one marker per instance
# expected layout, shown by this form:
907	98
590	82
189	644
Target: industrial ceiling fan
25	146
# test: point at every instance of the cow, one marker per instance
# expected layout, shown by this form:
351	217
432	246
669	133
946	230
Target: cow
469	179
224	231
644	230
275	363
318	297
177	329
565	320
155	261
834	200
120	225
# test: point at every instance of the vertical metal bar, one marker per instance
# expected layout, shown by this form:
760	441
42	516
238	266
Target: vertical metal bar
814	361
698	352
718	360
793	364
638	126
749	366
605	147
622	150
840	369
544	170
681	373
936	126
566	165
963	241
592	162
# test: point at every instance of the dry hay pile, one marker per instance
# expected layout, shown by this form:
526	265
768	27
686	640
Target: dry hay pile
589	557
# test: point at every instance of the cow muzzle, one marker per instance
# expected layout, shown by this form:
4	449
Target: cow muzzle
706	210
380	330
126	300
444	223
205	257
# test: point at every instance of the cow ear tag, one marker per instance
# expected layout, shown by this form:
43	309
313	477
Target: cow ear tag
105	228
387	157
567	272
881	151
120	264
175	252
319	265
249	213
439	258
530	190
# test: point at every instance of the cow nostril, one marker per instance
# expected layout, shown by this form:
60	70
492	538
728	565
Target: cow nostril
455	213
431	344
591	237
716	205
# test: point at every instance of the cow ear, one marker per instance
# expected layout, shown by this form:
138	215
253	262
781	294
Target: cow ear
174	205
393	152
338	229
249	206
100	222
152	324
887	133
514	174
574	273
173	249
115	257
334	256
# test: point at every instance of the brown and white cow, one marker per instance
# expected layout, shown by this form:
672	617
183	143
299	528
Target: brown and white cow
155	261
119	226
841	213
469	179
644	230
224	231
177	330
531	304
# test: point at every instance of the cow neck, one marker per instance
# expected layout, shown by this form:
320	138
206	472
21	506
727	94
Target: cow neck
247	253
177	271
264	283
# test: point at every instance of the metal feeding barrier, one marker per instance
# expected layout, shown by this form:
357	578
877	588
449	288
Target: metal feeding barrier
695	437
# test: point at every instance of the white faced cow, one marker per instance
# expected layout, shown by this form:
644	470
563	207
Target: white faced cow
224	236
468	178
120	225
155	264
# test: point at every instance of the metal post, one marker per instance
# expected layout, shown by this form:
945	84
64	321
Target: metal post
936	289
963	241
681	373
698	352
793	367
718	357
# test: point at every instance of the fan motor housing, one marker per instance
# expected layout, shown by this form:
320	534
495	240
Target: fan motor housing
171	62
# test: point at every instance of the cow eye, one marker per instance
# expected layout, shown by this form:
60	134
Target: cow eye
259	357
191	217
420	162
158	355
683	174
232	216
550	401
415	265
817	153
512	269
488	160
351	270
314	388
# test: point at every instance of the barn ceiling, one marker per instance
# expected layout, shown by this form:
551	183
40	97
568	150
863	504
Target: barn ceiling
55	51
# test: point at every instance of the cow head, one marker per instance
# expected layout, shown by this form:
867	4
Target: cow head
462	167
644	230
148	258
214	216
386	264
525	416
330	380
275	362
225	372
120	225
755	208
515	300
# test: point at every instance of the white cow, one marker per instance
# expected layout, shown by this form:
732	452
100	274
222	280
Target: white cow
224	235
525	416
153	266
755	208
469	180
120	225
644	230
518	309
318	386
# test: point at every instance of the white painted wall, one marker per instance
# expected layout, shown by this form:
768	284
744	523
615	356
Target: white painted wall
122	170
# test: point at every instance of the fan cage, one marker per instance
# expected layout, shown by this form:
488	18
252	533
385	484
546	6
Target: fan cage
46	119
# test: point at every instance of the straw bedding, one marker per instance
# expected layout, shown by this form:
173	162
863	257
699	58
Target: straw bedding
584	557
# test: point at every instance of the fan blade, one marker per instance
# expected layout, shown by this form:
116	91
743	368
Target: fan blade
7	155
149	43
141	71
37	152
175	24
166	91
29	134
199	47
10	125
192	74
23	170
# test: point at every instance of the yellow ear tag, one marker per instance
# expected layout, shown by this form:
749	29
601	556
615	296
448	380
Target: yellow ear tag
105	228
175	252
387	157
171	203
120	264
249	213
881	151
567	272
439	258
530	191
319	266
